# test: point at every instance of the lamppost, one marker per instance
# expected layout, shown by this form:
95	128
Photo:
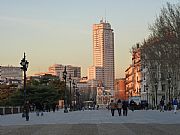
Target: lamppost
70	93
147	93
74	87
156	87
77	98
24	63
65	94
169	86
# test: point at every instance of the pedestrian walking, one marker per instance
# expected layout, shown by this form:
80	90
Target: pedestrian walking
53	107
175	103
125	108
119	107
39	108
113	107
132	105
162	105
27	109
97	107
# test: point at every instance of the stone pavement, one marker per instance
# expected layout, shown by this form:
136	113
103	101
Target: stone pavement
94	122
92	129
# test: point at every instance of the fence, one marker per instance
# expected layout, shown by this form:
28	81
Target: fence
10	110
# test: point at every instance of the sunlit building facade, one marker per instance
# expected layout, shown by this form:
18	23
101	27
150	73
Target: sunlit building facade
103	55
57	69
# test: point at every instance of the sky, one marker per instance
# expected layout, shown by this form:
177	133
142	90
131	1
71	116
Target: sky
60	31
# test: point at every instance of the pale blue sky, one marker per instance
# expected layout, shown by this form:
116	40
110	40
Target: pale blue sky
60	31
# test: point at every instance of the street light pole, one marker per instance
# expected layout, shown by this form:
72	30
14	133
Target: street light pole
70	93
169	85
156	87
65	94
24	63
147	93
74	86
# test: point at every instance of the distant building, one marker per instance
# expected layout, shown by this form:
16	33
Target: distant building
129	81
133	74
11	74
120	89
96	73
136	66
57	69
103	55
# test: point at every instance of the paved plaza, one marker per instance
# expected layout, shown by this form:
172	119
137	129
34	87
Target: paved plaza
92	122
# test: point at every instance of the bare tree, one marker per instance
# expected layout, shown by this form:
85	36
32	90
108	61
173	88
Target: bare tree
160	53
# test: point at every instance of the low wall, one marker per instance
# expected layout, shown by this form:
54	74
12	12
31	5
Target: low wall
10	110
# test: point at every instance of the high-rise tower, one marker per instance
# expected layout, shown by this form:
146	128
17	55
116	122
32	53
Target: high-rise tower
103	54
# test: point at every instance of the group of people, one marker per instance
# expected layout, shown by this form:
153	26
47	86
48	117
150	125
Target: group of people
38	107
119	105
174	104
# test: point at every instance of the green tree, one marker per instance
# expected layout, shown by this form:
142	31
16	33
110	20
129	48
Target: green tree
46	89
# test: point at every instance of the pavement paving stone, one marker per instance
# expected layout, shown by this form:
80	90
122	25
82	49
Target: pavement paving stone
92	129
95	122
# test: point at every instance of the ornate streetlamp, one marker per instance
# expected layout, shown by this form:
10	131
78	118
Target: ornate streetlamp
74	87
156	88
65	94
70	93
77	98
24	63
169	87
147	93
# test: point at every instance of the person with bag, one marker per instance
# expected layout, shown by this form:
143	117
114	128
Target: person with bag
119	107
113	107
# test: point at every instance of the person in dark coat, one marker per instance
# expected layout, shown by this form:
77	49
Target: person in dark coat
132	105
125	108
39	108
162	105
54	106
26	110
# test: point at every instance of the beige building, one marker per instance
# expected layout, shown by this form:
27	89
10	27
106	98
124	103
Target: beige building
134	75
129	81
10	73
136	66
57	69
95	72
103	55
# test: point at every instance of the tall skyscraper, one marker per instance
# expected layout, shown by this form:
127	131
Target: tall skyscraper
103	55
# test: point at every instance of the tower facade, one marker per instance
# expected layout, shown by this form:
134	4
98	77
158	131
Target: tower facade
103	54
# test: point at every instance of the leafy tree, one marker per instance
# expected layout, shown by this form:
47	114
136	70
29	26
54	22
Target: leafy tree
43	90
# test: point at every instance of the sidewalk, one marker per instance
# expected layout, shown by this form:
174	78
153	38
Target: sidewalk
92	129
93	122
93	117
